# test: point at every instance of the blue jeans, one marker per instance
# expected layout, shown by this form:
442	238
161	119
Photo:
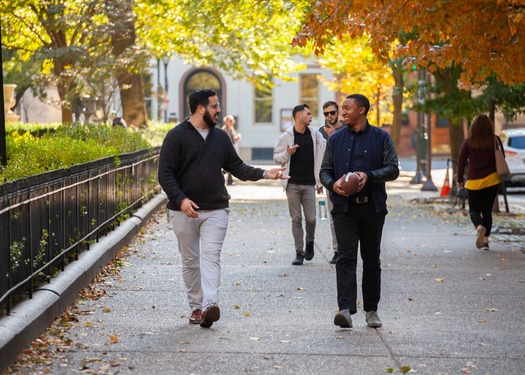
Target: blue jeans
363	227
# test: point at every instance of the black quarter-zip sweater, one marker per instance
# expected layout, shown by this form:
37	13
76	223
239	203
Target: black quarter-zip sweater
191	167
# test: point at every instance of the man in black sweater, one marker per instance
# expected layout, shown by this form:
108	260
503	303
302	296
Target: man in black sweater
192	157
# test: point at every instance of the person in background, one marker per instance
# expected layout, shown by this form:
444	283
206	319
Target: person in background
331	124
192	157
300	150
229	123
482	180
117	121
369	152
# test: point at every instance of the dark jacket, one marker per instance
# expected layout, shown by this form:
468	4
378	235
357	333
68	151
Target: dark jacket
191	167
481	161
381	164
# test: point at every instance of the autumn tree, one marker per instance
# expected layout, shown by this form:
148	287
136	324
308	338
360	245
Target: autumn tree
55	34
248	39
477	39
79	41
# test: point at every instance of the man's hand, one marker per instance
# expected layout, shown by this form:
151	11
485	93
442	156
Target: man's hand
363	178
290	150
338	190
329	129
276	174
188	207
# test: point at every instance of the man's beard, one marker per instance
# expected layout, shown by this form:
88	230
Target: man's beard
208	120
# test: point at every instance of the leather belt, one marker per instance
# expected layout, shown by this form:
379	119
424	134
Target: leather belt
358	199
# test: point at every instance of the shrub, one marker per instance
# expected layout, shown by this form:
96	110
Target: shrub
29	154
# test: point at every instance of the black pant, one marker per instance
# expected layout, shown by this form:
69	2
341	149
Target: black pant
360	226
480	204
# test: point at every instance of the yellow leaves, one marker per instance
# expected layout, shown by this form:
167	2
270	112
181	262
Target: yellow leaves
47	66
113	339
440	280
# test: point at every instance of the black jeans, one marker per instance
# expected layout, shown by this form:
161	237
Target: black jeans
480	206
360	226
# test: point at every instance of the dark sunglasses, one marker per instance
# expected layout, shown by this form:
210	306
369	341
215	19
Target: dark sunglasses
331	113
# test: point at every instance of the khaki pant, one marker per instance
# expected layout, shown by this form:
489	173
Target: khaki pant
200	243
302	198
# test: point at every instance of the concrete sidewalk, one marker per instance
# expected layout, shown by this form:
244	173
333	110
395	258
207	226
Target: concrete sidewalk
447	308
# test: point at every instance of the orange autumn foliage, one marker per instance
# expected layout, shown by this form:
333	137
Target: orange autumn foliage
484	37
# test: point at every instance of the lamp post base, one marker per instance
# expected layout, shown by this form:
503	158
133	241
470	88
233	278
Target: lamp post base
417	179
429	185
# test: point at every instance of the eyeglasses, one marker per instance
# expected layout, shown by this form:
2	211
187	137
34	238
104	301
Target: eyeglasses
214	106
331	113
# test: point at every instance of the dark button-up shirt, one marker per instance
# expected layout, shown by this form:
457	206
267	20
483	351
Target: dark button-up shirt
371	151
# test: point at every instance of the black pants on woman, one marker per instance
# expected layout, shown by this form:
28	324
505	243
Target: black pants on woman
363	227
480	204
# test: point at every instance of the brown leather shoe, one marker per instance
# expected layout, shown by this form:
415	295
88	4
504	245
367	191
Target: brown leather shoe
196	317
211	314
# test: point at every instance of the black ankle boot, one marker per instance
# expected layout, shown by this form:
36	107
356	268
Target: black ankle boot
299	259
309	251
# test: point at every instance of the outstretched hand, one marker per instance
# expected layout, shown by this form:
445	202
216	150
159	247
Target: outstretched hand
276	174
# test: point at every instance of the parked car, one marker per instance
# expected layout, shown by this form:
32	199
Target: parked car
514	145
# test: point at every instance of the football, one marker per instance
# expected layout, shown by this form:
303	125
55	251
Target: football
349	183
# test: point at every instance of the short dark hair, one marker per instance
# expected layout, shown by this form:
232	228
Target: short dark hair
330	103
361	100
200	97
299	108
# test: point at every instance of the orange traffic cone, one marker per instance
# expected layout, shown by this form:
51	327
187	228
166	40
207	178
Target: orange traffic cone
446	186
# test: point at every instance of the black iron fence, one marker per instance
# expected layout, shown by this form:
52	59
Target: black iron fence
47	220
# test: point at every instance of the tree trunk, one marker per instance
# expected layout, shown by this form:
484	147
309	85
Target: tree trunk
455	129
492	111
397	98
129	79
67	114
132	97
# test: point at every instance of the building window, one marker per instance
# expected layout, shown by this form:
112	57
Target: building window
263	105
310	93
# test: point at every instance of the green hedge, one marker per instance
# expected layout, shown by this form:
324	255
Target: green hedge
37	148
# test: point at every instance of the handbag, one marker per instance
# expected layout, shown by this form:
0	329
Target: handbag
502	168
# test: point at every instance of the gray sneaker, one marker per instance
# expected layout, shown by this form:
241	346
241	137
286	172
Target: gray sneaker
372	319
343	319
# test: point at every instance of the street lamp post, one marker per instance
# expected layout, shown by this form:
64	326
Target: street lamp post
159	91
3	145
429	184
166	61
418	178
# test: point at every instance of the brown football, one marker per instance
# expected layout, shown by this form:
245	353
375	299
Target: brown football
349	183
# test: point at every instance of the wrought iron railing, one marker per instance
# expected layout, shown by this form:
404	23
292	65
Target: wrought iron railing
47	220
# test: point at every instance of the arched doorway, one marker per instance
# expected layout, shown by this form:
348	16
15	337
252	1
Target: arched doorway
201	79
